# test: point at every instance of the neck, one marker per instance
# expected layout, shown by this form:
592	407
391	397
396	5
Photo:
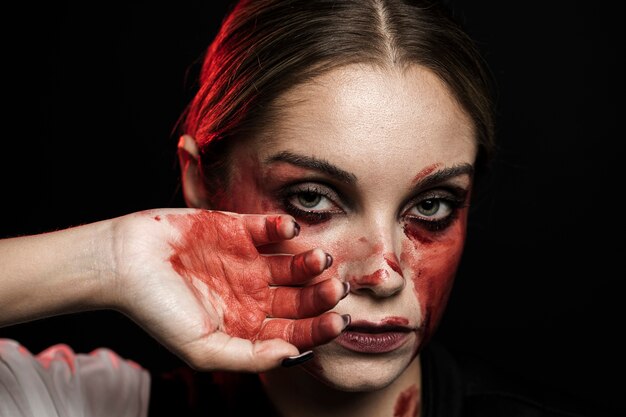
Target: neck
295	392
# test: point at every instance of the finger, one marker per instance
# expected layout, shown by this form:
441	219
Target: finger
298	269
220	351
306	333
268	229
296	303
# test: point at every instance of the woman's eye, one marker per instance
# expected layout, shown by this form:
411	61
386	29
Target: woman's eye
432	209
311	201
436	211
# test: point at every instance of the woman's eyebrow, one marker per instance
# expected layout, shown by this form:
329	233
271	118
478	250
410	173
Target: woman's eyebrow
441	175
315	164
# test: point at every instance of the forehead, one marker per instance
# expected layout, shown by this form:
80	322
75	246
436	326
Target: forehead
369	120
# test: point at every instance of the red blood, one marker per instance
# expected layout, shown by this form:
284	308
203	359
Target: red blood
215	248
407	403
157	218
245	179
433	262
371	280
392	261
429	259
237	279
425	172
414	232
396	321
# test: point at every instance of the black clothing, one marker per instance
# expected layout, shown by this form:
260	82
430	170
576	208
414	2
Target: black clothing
452	386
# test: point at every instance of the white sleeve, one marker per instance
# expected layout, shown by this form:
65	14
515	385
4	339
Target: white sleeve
60	383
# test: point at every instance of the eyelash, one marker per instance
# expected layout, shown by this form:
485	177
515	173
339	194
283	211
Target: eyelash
454	202
309	216
453	198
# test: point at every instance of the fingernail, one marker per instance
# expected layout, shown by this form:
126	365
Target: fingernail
296	228
329	260
346	289
346	320
298	359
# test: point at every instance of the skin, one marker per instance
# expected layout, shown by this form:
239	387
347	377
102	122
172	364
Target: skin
195	280
240	289
390	132
191	278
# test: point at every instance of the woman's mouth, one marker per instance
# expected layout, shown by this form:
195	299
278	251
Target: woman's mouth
369	337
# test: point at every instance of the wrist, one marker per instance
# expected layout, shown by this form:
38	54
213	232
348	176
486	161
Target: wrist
55	273
99	267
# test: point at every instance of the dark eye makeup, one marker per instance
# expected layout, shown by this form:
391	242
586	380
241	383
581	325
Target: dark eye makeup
299	200
314	203
436	209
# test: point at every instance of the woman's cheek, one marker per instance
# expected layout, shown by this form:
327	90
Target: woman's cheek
246	200
433	261
244	193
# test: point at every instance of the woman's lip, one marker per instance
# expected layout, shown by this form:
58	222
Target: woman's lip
369	337
381	342
376	329
399	324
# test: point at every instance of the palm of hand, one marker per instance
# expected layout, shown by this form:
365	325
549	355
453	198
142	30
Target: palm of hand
251	295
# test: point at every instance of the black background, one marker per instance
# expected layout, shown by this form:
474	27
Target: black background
93	92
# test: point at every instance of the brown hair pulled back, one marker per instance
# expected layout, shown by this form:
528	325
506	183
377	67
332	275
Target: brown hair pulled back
265	47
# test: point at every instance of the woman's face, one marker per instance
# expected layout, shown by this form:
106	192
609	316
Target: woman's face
376	166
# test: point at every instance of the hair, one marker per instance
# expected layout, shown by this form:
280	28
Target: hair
266	47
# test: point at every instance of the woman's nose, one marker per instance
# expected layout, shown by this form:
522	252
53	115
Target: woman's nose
379	276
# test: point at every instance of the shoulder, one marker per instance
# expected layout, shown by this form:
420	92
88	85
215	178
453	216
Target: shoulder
485	390
58	381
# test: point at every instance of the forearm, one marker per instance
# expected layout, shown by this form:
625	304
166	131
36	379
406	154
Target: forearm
55	273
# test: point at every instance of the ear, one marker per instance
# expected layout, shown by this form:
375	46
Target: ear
194	191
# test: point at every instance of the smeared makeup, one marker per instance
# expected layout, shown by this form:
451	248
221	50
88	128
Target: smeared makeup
233	282
244	176
433	260
397	155
407	404
430	254
392	261
369	280
199	231
425	172
396	321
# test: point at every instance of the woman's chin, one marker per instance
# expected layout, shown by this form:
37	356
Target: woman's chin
350	371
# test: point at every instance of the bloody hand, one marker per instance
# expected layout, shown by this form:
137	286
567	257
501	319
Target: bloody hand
255	296
195	280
